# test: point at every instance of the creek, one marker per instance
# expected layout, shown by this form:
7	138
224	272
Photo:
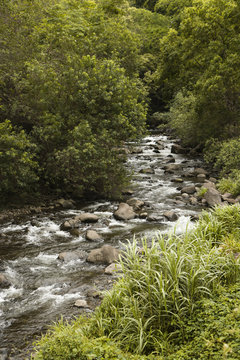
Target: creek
42	287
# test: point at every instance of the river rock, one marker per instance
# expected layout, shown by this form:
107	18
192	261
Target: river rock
135	203
193	200
124	212
147	171
209	185
178	149
170	215
69	224
75	232
198	171
67	256
143	215
172	167
201	177
227	196
188	189
170	160
213	180
92	235
213	197
87	218
66	204
107	254
94	293
4	283
113	269
177	180
80	303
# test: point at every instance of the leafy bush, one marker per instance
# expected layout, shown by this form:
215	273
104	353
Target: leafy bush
18	169
224	154
230	184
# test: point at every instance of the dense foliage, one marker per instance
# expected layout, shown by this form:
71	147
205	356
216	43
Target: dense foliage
69	81
177	299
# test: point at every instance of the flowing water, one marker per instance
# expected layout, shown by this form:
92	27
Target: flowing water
42	287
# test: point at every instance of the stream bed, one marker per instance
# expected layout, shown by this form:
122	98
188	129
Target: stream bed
42	287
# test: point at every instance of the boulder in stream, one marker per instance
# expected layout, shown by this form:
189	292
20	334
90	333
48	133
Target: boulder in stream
172	167
4	283
135	203
212	196
92	235
147	171
188	189
67	256
124	212
170	215
178	149
107	254
80	303
87	218
113	269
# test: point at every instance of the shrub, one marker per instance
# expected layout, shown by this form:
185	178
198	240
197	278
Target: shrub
231	183
18	168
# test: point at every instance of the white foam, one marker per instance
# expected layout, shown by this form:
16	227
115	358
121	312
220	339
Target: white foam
45	231
45	258
10	293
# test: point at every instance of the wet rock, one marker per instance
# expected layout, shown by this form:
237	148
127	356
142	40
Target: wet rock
92	235
135	203
188	174
198	171
80	303
178	149
185	196
112	269
143	215
69	224
188	189
193	200
4	283
152	218
75	232
231	201
147	171
136	150
227	196
201	177
124	212
94	293
67	256
170	160
170	215
107	254
177	180
172	167
127	192
87	218
213	197
158	146
213	180
66	204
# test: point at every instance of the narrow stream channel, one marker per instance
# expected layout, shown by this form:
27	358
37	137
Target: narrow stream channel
42	287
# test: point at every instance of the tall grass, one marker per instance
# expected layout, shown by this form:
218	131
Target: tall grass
148	310
161	289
